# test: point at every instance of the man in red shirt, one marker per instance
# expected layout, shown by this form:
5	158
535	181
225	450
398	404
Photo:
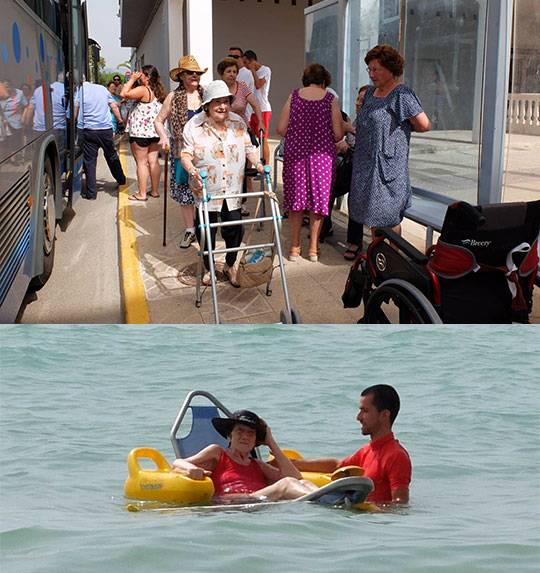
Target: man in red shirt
384	459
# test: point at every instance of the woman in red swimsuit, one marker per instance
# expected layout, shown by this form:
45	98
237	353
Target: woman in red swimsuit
235	473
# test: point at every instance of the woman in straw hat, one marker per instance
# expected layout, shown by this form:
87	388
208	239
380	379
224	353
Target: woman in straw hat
238	475
179	107
218	141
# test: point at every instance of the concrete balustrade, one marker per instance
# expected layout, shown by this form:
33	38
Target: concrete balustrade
524	114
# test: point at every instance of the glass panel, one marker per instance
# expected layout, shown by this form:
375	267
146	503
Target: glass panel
369	22
522	167
444	49
78	70
322	31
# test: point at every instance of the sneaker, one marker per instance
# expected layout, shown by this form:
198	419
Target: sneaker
189	237
244	210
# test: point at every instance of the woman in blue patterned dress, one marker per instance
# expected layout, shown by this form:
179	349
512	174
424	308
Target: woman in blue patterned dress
380	186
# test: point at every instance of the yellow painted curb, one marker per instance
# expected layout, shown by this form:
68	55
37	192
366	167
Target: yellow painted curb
136	308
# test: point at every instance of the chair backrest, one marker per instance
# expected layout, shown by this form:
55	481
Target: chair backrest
490	232
202	432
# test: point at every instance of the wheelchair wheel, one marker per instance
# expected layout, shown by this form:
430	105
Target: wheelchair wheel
397	301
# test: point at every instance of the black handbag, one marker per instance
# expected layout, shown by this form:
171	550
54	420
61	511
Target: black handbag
355	285
343	175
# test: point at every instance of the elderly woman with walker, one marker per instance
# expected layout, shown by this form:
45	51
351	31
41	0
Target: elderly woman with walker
218	141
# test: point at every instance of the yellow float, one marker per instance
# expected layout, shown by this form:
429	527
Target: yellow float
162	484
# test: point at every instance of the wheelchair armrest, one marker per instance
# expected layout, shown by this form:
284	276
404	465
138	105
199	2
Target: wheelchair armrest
403	245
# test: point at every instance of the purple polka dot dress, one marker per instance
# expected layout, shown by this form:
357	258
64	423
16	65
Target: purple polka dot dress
309	155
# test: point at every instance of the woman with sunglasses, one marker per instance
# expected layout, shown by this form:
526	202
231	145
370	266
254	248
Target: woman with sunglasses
143	138
179	107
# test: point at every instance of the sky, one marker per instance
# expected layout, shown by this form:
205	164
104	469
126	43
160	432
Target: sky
104	28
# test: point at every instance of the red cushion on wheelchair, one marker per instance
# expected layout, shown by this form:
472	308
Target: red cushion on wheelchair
451	261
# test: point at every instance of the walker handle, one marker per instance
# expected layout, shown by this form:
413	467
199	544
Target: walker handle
203	173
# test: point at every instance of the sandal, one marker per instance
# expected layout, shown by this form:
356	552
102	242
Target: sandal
230	273
294	253
313	256
154	196
351	254
207	279
135	198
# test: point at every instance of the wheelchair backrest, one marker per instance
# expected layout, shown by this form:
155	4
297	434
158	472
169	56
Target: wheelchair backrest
494	231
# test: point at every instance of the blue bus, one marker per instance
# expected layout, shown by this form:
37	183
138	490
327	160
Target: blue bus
44	56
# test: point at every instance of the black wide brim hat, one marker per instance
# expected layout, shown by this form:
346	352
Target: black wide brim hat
225	425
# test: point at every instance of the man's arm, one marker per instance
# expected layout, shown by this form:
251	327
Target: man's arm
116	112
259	82
322	465
400	495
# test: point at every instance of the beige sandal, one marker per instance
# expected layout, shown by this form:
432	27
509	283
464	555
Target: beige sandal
294	253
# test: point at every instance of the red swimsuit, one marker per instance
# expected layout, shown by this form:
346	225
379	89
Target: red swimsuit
232	477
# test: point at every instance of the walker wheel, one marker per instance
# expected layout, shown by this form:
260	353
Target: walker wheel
198	304
284	317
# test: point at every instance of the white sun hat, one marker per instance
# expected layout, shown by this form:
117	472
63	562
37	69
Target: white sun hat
215	90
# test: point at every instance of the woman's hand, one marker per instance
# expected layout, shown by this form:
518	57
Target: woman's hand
190	470
268	438
135	76
164	143
342	146
197	473
195	181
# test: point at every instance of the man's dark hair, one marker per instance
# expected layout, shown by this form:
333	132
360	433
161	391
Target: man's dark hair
385	397
250	55
237	48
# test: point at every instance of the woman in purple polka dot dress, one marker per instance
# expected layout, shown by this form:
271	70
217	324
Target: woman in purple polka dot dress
311	122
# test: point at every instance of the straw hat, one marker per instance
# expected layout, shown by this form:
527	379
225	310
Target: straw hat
186	64
215	90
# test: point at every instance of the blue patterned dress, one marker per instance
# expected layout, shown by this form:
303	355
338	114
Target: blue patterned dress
380	186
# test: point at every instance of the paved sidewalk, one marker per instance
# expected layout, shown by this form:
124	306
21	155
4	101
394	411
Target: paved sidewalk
168	272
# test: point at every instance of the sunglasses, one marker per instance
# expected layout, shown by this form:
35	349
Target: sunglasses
116	79
191	73
233	56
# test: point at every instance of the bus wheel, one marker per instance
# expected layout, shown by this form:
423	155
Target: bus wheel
49	225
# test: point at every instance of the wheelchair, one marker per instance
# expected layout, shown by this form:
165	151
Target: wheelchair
482	270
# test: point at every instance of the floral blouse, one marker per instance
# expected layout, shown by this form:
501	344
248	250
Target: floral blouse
222	154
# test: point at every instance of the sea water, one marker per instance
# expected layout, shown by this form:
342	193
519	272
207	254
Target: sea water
76	399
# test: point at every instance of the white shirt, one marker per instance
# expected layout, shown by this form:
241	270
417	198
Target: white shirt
261	95
222	154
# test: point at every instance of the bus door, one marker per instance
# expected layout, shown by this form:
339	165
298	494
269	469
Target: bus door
76	70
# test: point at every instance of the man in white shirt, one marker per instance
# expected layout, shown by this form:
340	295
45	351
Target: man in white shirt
261	78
